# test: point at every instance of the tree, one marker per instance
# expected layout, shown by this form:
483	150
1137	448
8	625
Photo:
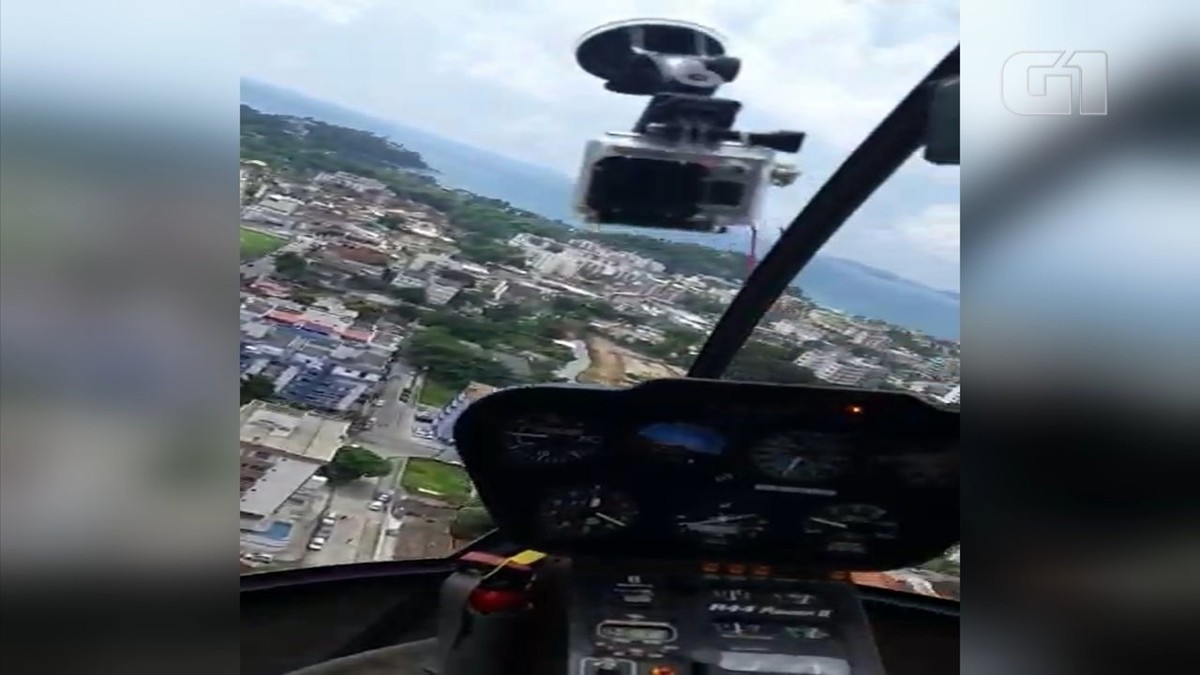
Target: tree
391	221
256	387
367	311
458	277
761	362
405	313
701	305
505	312
942	565
471	522
290	265
862	352
351	463
303	297
415	296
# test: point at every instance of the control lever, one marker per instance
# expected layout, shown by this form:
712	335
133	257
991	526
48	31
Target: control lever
483	614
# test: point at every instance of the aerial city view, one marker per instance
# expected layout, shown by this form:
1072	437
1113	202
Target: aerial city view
376	304
384	288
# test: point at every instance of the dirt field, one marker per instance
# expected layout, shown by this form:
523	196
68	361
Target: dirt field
639	370
425	532
614	365
419	539
608	363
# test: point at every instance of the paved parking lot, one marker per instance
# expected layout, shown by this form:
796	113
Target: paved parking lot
354	533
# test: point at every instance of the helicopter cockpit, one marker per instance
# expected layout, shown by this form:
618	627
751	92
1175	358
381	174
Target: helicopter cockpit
687	526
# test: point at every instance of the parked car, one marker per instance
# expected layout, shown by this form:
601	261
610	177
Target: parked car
316	544
375	506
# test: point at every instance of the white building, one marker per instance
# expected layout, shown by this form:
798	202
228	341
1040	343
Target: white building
274	209
815	359
349	181
563	264
952	397
281	449
281	204
852	373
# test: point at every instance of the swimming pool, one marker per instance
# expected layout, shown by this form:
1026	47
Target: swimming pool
279	531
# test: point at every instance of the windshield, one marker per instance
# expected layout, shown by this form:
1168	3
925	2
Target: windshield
408	246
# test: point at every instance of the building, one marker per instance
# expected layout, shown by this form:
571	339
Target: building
438	292
315	359
281	449
563	264
852	373
403	280
349	181
443	421
815	359
281	203
361	254
952	397
274	209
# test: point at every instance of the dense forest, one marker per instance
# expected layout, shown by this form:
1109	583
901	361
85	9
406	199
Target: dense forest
307	146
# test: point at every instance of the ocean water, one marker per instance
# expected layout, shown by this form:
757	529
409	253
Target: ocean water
841	284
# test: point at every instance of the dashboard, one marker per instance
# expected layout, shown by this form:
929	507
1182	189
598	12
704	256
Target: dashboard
689	469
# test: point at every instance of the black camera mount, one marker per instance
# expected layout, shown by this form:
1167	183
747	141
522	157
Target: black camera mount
681	66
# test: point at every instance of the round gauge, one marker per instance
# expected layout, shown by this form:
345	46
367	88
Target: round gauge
851	528
802	457
548	439
586	511
721	525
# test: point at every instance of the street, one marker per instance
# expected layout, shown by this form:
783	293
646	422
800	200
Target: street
355	535
392	434
360	534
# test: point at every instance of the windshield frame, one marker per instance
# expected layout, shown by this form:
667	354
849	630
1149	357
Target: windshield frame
885	150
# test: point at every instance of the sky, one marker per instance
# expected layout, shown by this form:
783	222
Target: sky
501	76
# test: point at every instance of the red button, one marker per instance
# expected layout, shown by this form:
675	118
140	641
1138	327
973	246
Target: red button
489	601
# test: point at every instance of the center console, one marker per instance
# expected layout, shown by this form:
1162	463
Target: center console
668	618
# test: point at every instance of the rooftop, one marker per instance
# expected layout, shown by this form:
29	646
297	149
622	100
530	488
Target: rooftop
372	360
291	431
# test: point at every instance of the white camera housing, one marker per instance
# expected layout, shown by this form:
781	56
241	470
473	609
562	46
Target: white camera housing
728	164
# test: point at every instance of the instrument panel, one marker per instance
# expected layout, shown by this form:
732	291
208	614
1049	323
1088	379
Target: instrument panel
829	477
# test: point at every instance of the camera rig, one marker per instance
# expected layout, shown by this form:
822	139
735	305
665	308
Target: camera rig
683	166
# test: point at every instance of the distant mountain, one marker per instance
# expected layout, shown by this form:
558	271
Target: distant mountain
835	282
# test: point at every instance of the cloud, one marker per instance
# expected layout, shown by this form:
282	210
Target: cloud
333	11
820	65
502	76
934	231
